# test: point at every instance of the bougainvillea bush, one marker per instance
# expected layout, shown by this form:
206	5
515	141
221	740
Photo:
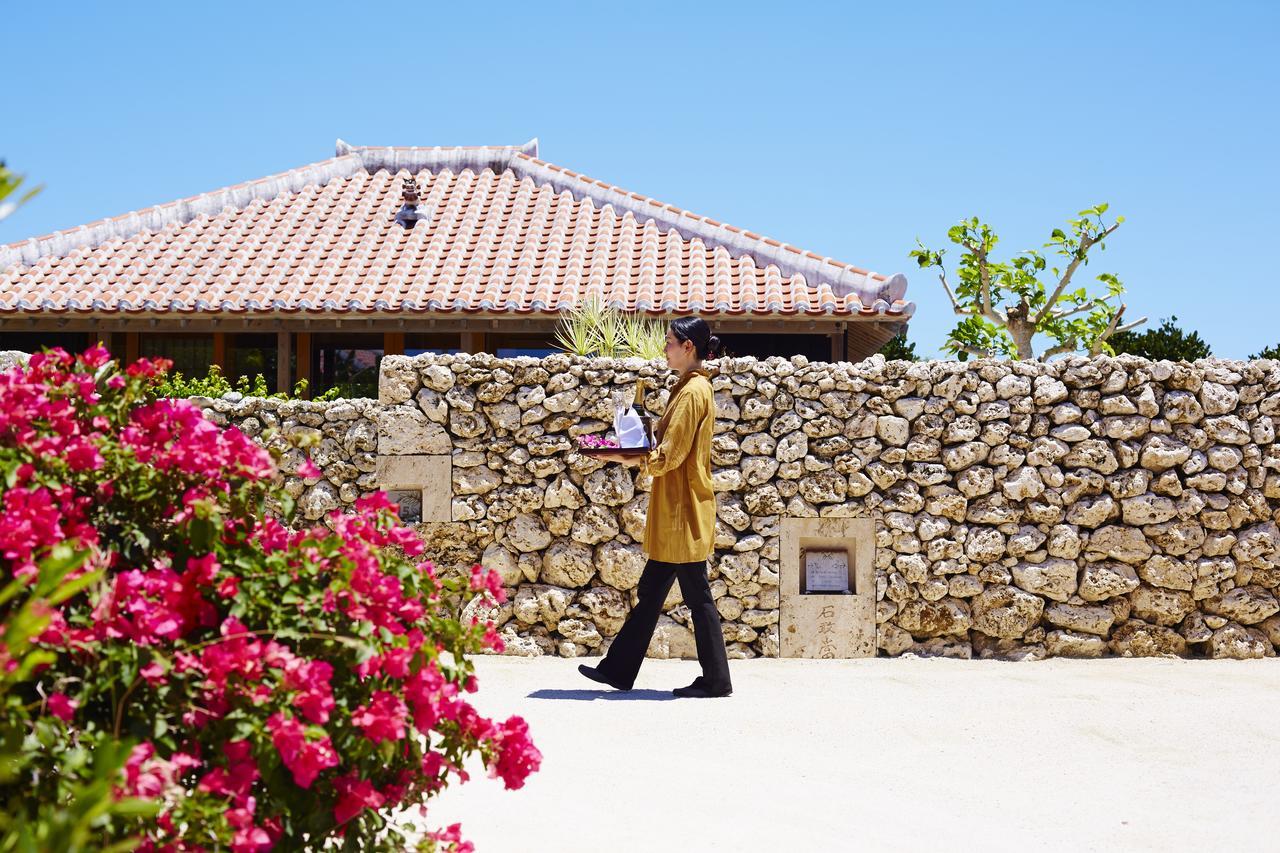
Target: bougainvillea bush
184	670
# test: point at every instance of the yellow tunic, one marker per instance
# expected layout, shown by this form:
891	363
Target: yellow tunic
681	524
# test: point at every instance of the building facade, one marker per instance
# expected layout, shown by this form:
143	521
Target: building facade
318	272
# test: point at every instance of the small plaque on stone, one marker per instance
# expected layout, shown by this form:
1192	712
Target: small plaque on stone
826	571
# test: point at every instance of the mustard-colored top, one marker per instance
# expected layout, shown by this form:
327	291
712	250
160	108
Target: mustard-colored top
681	524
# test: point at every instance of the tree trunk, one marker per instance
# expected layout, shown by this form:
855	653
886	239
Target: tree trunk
1021	329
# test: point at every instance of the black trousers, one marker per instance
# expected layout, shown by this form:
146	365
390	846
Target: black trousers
622	663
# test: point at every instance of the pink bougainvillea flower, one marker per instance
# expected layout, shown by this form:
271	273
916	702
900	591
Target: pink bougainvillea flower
95	357
62	706
383	718
305	759
149	776
595	441
184	544
149	367
309	470
489	580
237	778
452	836
516	757
354	796
81	455
153	673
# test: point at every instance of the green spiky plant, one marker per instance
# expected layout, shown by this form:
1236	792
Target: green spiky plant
644	337
10	184
595	329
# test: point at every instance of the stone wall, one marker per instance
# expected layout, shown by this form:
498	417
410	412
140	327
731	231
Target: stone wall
1083	507
341	437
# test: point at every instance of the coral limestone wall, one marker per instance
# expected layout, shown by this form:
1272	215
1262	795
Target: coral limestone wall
1083	507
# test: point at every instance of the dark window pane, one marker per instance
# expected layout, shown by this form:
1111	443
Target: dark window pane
72	342
513	346
815	347
252	355
416	343
191	354
348	362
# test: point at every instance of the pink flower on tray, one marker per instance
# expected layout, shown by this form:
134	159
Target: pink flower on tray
592	442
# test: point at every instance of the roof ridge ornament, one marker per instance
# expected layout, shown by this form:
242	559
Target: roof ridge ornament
409	214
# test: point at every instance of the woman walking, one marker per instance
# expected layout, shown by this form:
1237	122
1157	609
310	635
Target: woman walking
680	530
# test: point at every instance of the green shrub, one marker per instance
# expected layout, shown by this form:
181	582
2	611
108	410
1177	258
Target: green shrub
898	348
1167	342
214	384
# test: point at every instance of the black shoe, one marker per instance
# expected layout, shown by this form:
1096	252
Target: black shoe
700	690
595	674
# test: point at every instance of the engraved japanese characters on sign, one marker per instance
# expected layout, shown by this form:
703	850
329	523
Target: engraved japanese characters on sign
826	571
826	632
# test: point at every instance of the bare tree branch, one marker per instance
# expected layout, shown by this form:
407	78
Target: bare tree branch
942	277
1096	346
1066	346
1086	242
1091	304
985	308
984	275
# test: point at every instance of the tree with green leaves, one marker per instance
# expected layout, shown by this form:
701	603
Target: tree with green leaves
1067	315
1168	342
898	348
10	183
1272	352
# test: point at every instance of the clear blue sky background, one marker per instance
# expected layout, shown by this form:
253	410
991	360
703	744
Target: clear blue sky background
846	129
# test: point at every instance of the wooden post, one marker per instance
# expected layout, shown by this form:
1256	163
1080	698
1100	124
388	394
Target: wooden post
130	347
283	373
837	347
393	343
304	362
473	342
220	351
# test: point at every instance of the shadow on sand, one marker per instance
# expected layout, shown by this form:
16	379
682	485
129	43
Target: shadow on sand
608	695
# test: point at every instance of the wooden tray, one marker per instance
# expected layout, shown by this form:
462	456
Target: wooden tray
604	451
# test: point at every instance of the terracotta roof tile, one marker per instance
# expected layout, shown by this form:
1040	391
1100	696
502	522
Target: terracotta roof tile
504	232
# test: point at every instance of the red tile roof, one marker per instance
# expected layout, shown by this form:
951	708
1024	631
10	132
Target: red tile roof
504	232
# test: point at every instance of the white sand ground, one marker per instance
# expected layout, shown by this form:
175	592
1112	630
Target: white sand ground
869	755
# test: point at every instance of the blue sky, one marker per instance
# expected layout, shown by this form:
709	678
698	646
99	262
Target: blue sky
847	129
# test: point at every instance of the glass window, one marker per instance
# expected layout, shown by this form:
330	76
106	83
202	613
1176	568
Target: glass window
516	352
252	355
347	362
815	347
191	354
72	342
513	346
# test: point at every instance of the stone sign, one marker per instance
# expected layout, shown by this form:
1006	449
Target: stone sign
831	625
